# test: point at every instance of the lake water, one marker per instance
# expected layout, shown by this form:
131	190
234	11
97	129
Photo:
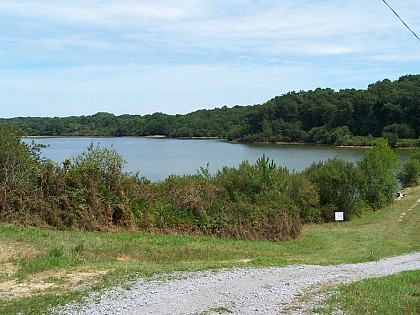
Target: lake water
156	158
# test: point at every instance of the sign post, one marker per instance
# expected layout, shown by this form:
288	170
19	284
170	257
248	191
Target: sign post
339	216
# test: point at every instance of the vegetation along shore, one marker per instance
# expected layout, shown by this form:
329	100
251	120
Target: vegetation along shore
257	201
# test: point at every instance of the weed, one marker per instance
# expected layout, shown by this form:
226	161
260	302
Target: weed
78	248
217	310
56	280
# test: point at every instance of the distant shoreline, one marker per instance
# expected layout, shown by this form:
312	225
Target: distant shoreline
151	137
218	138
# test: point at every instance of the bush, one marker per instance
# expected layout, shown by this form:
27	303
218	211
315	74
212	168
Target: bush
249	202
408	143
340	136
337	184
102	166
409	173
377	171
302	192
255	201
18	174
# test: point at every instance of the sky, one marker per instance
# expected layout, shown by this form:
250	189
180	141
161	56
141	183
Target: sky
73	58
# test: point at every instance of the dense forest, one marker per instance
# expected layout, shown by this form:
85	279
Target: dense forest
389	109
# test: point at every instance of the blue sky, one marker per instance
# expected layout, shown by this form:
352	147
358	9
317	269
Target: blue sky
63	58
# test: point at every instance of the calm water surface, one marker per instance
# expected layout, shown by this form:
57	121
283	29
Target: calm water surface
156	159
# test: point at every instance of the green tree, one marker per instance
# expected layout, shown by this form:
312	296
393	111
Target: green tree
344	113
396	131
409	174
377	171
364	119
340	136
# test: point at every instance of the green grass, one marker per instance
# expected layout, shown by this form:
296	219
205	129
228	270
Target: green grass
122	255
397	294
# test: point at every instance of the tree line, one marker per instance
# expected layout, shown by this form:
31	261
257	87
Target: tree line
347	117
389	109
252	201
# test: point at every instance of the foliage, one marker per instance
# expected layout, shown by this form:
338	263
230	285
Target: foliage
377	171
253	201
408	143
18	171
337	184
96	165
343	186
409	173
306	197
91	192
346	117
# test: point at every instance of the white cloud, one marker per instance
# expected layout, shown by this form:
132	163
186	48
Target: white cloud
110	12
269	27
176	56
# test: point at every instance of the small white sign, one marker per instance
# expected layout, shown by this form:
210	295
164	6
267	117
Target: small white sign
339	216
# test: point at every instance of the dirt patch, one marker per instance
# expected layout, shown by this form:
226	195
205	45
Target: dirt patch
9	254
51	281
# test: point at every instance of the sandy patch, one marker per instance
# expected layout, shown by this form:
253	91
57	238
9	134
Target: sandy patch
51	281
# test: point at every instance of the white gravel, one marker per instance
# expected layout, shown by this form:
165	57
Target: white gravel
238	291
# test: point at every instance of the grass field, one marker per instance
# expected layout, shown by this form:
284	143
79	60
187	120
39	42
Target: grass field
397	294
43	268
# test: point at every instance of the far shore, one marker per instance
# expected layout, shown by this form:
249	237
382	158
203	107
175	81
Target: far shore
219	138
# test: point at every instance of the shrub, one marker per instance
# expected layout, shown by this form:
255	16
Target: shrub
406	143
409	173
102	188
97	165
377	171
248	202
18	173
337	184
255	202
305	196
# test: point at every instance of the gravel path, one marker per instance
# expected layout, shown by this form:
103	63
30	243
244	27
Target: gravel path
238	291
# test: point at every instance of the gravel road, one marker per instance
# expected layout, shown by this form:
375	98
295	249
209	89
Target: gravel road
238	291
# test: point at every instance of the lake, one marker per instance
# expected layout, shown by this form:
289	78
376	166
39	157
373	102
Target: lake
158	158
